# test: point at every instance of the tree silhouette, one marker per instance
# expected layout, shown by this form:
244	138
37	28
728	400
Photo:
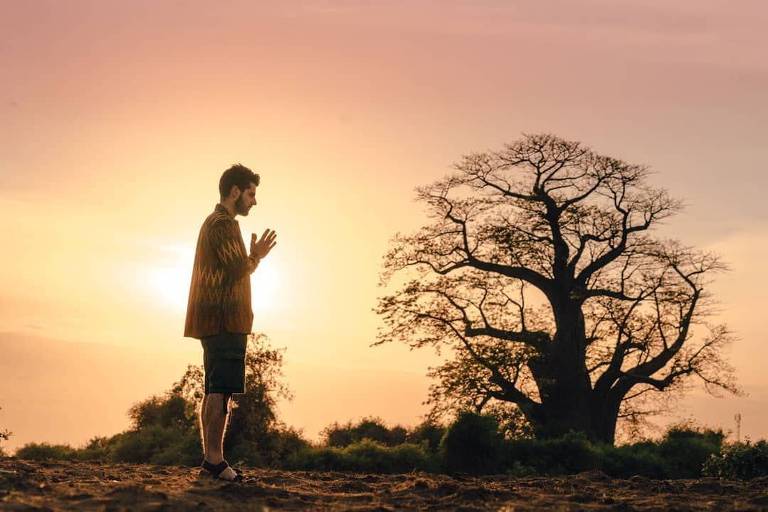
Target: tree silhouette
539	274
254	430
254	416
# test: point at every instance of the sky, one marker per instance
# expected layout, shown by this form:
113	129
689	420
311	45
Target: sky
119	117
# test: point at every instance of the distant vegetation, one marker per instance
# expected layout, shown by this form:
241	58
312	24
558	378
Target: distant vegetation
739	460
4	435
165	430
471	444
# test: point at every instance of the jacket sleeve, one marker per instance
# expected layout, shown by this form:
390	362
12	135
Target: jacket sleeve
227	245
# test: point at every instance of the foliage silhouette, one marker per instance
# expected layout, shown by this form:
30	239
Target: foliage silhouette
165	429
472	444
742	461
339	436
428	433
364	455
539	274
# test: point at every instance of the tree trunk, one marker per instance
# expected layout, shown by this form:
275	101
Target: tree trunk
573	410
568	403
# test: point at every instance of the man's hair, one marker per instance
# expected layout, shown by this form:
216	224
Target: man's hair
238	175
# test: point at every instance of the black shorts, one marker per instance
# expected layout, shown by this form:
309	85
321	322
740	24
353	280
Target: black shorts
224	363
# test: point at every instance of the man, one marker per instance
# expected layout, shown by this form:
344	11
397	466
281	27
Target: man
219	309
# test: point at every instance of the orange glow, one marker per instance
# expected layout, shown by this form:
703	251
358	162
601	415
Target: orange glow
119	117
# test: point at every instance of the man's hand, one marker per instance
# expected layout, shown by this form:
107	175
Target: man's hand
261	248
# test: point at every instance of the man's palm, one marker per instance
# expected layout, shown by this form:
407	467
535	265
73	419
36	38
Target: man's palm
262	247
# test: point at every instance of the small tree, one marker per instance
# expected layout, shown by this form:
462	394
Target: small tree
254	433
254	415
540	276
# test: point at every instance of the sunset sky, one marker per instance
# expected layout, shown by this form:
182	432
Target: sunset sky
119	117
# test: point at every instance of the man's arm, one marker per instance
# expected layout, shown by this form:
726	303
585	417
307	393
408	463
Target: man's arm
228	246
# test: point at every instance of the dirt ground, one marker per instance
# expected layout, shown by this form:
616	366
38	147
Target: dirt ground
28	485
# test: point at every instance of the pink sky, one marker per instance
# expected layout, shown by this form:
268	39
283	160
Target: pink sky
118	118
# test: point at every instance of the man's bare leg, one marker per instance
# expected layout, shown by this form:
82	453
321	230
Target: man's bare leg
202	424
214	415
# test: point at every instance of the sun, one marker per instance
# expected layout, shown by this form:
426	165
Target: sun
169	282
265	286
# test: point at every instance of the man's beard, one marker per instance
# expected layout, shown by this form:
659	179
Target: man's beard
240	206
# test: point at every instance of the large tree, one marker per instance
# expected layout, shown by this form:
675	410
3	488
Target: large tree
538	272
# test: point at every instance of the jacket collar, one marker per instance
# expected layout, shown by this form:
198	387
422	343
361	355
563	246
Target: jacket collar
221	209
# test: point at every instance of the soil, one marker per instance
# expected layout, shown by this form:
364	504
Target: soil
30	485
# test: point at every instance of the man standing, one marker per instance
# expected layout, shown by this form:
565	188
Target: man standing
219	309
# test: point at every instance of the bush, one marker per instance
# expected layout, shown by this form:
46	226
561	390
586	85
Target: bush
680	454
156	444
472	444
274	448
167	411
186	450
635	459
427	433
339	436
366	455
321	458
98	448
46	451
685	449
741	461
569	454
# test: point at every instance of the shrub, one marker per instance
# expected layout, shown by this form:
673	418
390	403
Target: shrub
98	448
169	411
339	436
272	450
156	444
366	455
635	459
472	444
741	461
427	433
186	450
321	458
685	449
46	451
569	454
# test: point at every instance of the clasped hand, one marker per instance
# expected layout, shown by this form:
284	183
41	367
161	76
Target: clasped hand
261	248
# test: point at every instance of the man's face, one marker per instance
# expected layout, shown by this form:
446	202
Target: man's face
246	201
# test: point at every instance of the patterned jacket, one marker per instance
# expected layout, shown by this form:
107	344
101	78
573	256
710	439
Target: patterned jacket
220	292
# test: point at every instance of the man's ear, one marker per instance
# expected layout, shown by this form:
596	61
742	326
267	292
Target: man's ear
237	192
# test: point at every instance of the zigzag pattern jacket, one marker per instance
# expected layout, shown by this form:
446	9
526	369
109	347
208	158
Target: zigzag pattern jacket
220	292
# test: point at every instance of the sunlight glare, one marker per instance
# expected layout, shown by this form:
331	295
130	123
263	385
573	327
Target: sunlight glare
169	283
265	286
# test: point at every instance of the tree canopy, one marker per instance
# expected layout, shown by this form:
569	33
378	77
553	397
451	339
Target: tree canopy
539	272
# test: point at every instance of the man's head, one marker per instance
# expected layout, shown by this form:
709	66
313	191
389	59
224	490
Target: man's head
237	187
